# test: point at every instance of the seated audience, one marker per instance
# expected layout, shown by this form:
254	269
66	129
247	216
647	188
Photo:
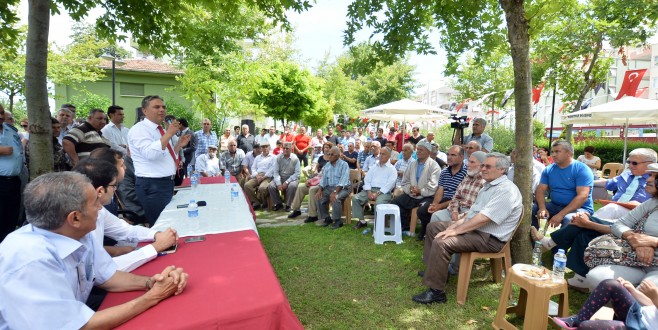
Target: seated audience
377	186
208	164
285	173
394	154
58	243
419	184
544	157
590	160
401	166
634	308
333	188
351	156
487	226
248	161
449	180
375	147
231	161
261	175
310	189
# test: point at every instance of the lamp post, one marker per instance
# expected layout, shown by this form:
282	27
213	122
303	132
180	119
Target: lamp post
111	56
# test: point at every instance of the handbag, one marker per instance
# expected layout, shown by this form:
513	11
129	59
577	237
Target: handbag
314	181
612	250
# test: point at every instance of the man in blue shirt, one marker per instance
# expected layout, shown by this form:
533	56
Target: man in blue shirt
11	164
570	185
48	267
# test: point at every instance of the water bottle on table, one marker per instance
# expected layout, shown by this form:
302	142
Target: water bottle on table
559	265
234	192
536	254
192	209
227	177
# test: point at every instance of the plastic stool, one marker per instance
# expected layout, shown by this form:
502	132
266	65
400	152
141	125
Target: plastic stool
395	228
533	301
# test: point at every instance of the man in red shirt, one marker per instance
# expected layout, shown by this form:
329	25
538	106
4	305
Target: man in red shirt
286	136
301	145
401	138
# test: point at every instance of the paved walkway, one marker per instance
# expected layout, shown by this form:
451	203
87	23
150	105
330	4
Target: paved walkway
266	218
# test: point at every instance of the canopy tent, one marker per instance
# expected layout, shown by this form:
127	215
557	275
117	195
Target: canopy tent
405	110
628	109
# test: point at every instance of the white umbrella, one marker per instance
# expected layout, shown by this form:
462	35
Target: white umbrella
622	111
405	110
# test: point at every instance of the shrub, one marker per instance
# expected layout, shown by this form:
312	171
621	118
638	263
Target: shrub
611	150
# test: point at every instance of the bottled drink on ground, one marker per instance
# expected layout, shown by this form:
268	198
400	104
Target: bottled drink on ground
192	209
536	254
234	192
559	265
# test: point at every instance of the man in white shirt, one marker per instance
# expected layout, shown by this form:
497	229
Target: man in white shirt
225	139
65	118
58	245
263	137
104	177
154	156
115	131
261	175
377	186
208	164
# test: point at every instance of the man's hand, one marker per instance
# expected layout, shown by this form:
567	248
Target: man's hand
645	254
173	128
581	219
449	232
400	174
650	290
332	197
556	220
183	140
318	195
433	208
638	240
454	216
414	191
165	239
542	214
171	281
259	178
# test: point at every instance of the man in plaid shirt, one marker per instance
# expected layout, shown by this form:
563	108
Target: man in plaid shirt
205	138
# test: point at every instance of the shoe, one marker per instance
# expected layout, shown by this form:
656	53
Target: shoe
421	273
570	322
337	224
256	207
430	296
535	234
277	207
452	271
420	237
407	233
326	222
360	224
295	214
309	219
578	283
287	208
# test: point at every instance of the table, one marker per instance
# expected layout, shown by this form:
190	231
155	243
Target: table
221	215
231	286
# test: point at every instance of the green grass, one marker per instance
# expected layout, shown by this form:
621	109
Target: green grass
340	279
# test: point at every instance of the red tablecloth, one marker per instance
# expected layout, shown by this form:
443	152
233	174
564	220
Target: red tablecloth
231	286
216	180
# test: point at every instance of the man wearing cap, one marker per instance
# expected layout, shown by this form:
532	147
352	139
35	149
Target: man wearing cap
630	187
208	164
449	180
419	183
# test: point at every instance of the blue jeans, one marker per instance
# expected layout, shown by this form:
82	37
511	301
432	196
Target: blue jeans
553	209
154	194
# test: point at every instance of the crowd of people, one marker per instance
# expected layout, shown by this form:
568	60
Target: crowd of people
464	197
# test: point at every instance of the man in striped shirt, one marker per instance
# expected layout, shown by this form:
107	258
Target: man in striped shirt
449	180
487	226
81	140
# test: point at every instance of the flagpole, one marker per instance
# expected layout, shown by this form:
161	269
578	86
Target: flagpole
550	138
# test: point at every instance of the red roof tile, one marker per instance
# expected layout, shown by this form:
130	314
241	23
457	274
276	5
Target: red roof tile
142	65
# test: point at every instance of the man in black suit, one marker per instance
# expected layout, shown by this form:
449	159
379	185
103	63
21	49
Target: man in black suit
190	149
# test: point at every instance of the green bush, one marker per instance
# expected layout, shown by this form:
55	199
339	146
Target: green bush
84	103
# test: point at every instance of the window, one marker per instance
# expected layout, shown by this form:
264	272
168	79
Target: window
128	89
613	72
654	82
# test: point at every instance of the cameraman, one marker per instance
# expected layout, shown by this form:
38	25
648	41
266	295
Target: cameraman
478	135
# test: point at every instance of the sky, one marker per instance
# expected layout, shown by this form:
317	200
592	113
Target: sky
318	31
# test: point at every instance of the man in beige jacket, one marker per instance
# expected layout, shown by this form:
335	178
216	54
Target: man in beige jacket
419	183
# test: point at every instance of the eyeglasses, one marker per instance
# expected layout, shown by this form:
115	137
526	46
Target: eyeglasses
636	163
487	166
113	185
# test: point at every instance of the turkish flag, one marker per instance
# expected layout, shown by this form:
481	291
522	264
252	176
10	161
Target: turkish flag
536	92
641	91
462	104
632	79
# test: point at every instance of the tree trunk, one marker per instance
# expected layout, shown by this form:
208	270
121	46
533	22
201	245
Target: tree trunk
36	90
519	40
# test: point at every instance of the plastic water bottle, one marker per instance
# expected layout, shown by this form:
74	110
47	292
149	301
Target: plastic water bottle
234	192
559	264
192	209
536	254
194	180
189	171
227	176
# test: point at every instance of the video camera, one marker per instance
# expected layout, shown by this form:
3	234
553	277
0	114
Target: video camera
458	122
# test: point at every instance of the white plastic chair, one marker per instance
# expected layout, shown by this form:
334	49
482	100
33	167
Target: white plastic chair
395	225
